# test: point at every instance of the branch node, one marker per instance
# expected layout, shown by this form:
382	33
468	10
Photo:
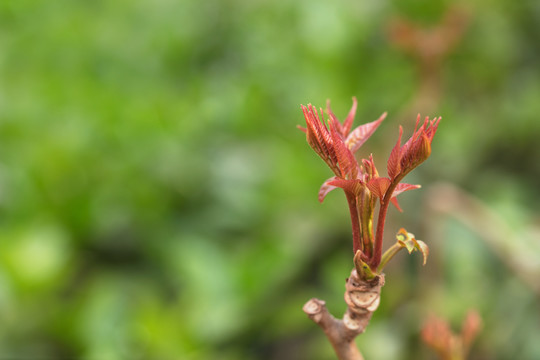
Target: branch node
362	298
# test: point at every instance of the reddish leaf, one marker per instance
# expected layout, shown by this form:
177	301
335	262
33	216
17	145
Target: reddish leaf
393	165
408	143
319	138
351	186
347	124
369	165
326	188
320	130
344	128
335	128
401	187
359	135
396	204
418	148
347	162
331	115
417	152
379	186
432	128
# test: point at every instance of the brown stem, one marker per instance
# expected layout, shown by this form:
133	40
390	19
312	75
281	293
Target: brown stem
362	298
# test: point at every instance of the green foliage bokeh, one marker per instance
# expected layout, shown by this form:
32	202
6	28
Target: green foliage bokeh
157	202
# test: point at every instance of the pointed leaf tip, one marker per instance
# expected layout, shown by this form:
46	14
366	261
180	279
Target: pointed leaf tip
400	188
360	135
423	248
396	203
347	124
326	188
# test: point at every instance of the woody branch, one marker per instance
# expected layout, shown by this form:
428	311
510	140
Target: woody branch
362	298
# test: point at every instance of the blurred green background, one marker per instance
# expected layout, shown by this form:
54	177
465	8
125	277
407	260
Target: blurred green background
157	202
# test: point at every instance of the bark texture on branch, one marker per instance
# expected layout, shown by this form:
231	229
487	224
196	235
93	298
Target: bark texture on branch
362	298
